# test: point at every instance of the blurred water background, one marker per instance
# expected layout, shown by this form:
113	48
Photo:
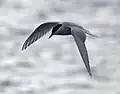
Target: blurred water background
54	66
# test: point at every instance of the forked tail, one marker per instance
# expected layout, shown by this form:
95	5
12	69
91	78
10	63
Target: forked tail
86	31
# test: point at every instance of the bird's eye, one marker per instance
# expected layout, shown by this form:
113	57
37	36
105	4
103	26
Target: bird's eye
56	27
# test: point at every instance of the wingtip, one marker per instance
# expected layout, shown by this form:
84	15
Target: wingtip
90	74
23	48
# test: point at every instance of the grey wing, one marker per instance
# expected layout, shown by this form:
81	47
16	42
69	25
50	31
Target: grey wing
83	51
38	33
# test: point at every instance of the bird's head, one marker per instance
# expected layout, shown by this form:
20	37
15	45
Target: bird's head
54	29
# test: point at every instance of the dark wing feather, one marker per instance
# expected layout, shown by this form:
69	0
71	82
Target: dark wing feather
83	51
38	33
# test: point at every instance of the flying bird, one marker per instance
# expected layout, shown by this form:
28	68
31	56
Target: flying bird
63	28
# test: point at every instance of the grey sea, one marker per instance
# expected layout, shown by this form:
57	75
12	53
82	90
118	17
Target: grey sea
54	66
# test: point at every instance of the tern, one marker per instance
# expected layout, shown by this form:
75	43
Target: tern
63	28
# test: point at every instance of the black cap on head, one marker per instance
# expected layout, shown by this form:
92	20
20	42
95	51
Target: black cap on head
54	29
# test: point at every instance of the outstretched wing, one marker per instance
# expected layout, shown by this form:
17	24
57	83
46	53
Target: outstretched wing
38	33
77	34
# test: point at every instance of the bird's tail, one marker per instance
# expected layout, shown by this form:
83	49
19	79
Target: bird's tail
86	31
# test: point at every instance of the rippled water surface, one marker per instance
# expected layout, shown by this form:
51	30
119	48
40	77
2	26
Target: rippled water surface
54	66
